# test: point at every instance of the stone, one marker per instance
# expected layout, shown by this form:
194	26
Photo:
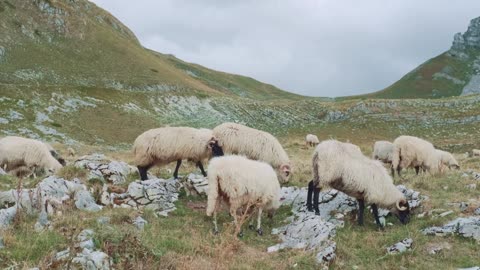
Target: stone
84	201
7	216
140	223
42	222
62	255
400	247
93	260
435	248
477	211
85	239
444	214
101	167
467	227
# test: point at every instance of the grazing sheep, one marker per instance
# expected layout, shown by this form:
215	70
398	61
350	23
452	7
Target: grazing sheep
55	154
71	152
383	151
18	152
476	153
409	151
254	144
336	166
241	182
447	160
311	140
161	146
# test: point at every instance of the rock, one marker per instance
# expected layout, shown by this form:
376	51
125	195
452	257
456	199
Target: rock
101	167
103	220
7	216
62	255
467	227
435	248
85	239
42	222
400	247
84	201
477	211
196	184
444	214
471	268
93	260
140	222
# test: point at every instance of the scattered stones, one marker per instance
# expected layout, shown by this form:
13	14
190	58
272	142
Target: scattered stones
85	240
100	167
140	222
95	260
400	247
84	201
435	248
467	227
196	184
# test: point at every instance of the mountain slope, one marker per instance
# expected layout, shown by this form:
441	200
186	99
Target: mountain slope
452	73
75	43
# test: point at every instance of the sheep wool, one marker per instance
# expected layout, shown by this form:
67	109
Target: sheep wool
340	166
17	152
383	151
161	146
241	182
409	151
311	140
447	160
254	144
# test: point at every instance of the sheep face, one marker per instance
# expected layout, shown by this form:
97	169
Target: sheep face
285	171
217	150
402	211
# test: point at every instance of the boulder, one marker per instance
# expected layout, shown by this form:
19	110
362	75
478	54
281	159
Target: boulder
400	247
467	227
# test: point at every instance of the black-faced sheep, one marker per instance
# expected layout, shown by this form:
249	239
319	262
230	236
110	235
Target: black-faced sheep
409	151
254	144
339	166
16	152
241	182
161	146
311	140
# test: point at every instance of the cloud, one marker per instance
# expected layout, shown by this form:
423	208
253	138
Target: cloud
310	47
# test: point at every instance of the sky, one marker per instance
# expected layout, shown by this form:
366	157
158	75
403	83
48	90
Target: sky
310	47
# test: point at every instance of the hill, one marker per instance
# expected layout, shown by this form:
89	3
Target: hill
453	73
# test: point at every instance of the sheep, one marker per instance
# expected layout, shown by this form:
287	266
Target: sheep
71	152
311	140
339	166
476	153
383	151
254	144
447	160
161	146
241	182
409	151
18	152
55	154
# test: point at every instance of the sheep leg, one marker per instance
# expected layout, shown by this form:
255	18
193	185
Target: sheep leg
259	222
175	173
375	214
316	193
233	213
200	165
361	209
417	169
309	196
215	225
142	170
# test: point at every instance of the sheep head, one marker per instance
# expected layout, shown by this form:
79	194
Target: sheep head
285	171
403	211
213	145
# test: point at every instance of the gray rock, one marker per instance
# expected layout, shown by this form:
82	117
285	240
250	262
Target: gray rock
435	248
400	247
477	211
84	201
93	260
42	222
101	167
467	227
444	214
85	239
7	216
140	222
62	255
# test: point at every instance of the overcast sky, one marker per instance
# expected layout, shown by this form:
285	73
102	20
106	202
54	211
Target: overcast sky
310	47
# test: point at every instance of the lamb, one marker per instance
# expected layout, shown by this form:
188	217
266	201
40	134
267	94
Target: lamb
31	154
336	165
383	151
254	144
161	146
409	151
241	182
476	153
311	140
447	160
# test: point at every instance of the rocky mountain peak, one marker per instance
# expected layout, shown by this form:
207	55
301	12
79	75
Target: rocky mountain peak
469	39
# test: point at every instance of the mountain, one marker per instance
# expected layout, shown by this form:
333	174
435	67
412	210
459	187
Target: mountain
453	73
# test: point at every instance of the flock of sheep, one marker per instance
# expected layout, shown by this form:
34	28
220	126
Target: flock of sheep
247	166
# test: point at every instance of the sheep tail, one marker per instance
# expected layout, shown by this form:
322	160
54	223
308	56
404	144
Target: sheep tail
213	191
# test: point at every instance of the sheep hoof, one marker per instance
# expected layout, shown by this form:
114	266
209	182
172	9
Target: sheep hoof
240	234
260	232
251	227
310	208
317	213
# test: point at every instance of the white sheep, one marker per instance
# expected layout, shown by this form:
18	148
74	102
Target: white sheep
55	154
476	152
409	151
254	144
383	151
18	152
447	160
161	146
339	166
241	182
71	152
311	140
